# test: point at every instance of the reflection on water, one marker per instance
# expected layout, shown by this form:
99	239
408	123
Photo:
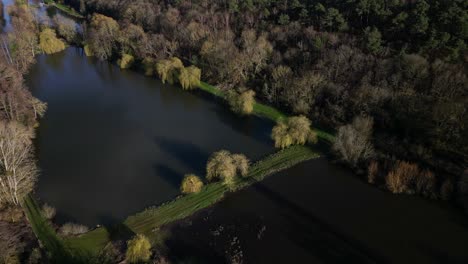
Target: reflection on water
114	142
317	212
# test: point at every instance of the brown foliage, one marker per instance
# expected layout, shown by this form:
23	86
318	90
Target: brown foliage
353	142
426	183
372	171
399	180
446	190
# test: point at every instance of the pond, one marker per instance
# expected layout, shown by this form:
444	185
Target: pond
115	142
317	212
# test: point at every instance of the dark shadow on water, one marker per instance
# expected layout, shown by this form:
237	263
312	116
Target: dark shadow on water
186	152
117	229
319	238
168	174
438	256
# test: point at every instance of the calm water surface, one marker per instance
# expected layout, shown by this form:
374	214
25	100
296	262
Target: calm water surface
114	142
317	212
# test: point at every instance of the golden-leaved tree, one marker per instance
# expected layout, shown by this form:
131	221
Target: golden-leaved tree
49	43
169	69
190	77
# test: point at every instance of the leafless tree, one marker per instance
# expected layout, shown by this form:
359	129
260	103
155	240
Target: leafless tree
353	143
18	172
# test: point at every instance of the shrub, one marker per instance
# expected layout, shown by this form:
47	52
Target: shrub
126	61
242	103
48	211
225	166
426	183
11	214
138	249
70	229
372	171
109	254
399	180
148	66
88	51
446	190
190	77
191	184
66	28
463	189
293	131
463	183
221	166
168	70
312	138
49	43
352	143
242	164
281	136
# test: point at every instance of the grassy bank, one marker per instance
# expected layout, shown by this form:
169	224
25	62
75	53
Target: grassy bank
149	221
265	111
57	249
64	8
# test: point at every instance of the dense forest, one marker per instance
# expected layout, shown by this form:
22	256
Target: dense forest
397	68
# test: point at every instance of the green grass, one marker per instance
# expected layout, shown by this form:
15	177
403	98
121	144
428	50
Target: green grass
57	248
266	111
149	221
64	8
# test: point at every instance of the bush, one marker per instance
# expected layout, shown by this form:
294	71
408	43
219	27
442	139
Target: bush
66	28
372	171
463	189
70	229
399	180
220	165
353	142
463	183
191	184
49	43
189	78
148	66
242	103
126	61
446	190
426	183
138	249
293	131
88	51
11	214
225	166
169	70
242	164
48	211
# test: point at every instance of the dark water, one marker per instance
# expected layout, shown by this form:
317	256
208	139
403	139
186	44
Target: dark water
114	142
317	212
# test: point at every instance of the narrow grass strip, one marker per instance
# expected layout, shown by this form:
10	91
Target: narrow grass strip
149	221
266	111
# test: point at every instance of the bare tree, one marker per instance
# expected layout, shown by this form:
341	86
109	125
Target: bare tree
352	143
18	172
